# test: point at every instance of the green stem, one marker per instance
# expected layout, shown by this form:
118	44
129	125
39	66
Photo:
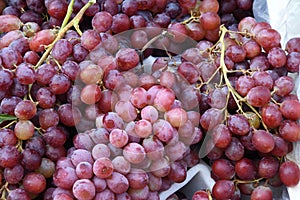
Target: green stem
69	13
74	22
225	71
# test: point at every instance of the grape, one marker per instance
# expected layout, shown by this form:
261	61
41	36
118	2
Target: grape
149	113
10	37
188	70
45	98
18	193
54	136
121	165
8	104
223	189
137	178
292	45
263	79
81	155
268	38
44	74
84	189
100	150
61	50
90	94
289	173
252	48
263	141
262	192
259	63
31	159
90	39
7	137
59	84
138	97
65	177
34	183
178	172
258	96
223	169
9	23
117	183
139	39
277	57
24	129
179	32
211	118
163	130
47	168
127	59
283	85
103	167
236	53
245	169
289	130
120	23
13	175
41	39
268	167
143	128
175	151
57	9
54	153
102	21
134	153
10	58
290	108
271	115
235	150
238	124
91	73
200	195
79	53
118	138
105	194
137	21
141	194
25	109
37	144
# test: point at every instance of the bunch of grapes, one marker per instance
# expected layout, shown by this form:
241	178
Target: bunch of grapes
248	110
84	116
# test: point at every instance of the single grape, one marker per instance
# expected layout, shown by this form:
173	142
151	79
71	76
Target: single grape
223	189
245	169
258	96
103	167
84	189
263	141
34	183
223	169
262	192
289	173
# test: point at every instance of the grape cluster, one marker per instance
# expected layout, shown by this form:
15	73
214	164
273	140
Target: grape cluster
84	116
248	109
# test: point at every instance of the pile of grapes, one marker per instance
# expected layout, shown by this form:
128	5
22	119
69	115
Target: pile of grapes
117	99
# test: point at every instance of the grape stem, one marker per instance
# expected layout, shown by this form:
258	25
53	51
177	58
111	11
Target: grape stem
3	190
237	98
65	27
8	125
247	181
